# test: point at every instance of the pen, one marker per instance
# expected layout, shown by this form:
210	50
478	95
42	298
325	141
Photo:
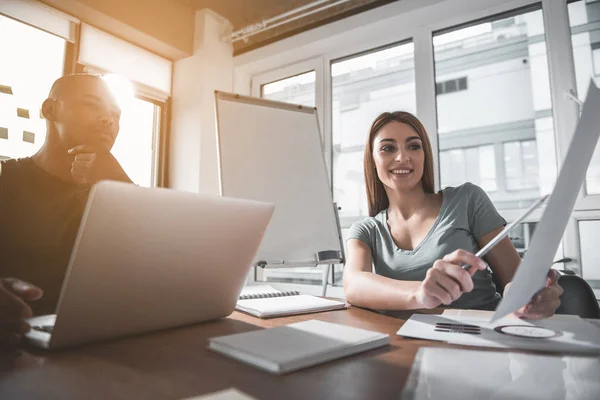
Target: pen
485	249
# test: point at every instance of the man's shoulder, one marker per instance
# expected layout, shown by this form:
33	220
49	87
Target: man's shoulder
15	174
14	164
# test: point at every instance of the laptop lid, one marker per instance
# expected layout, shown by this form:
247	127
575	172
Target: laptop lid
149	259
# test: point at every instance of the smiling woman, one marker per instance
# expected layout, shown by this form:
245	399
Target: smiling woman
408	253
387	127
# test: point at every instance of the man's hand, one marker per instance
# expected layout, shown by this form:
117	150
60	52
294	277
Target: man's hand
91	165
14	309
545	302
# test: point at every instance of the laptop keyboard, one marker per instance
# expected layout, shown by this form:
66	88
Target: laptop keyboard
44	328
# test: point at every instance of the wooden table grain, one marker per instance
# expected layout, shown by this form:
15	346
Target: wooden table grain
176	363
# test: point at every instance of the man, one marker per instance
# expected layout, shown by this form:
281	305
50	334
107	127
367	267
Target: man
42	197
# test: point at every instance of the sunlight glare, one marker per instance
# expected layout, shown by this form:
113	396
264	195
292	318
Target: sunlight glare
121	88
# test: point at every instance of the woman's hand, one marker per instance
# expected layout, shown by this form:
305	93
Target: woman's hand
545	302
446	280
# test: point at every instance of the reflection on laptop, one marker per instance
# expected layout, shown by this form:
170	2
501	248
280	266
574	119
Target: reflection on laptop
149	259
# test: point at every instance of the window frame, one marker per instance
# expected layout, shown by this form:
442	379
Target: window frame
288	71
69	28
420	24
160	133
346	222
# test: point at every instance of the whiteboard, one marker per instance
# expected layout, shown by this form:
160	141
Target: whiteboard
271	151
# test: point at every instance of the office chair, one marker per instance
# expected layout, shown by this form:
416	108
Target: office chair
578	298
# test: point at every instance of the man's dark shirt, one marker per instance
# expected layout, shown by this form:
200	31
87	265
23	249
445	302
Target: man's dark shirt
39	220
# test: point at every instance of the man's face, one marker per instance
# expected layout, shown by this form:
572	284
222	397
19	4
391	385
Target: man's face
88	115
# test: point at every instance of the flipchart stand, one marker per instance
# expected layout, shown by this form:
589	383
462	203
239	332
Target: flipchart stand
327	257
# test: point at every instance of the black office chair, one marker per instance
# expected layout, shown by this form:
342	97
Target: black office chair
578	298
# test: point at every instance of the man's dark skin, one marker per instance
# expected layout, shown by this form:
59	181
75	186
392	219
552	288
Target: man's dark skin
82	122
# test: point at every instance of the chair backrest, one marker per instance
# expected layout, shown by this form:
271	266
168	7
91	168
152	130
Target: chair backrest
578	298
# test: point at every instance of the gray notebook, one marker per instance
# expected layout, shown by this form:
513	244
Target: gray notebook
295	346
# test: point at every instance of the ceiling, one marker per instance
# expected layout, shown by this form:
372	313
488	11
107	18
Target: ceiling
243	13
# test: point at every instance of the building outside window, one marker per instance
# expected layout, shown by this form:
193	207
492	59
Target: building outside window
31	61
505	109
364	86
299	89
584	18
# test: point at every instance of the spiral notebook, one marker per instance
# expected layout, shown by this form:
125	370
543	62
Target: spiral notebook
265	301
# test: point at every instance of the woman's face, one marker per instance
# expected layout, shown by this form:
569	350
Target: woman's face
399	156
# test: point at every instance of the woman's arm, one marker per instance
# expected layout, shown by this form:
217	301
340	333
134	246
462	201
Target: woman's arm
503	258
363	288
445	282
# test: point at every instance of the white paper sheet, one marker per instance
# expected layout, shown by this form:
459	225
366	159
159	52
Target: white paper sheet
258	289
571	333
531	274
436	374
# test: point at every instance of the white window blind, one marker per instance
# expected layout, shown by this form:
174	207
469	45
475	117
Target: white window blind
105	52
41	16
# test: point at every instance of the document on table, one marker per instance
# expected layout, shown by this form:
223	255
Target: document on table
560	333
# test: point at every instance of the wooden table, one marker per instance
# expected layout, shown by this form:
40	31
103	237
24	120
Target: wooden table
176	364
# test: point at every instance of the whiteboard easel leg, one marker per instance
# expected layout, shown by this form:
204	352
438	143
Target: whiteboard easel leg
325	276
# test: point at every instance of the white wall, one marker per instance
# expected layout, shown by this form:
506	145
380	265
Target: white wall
193	141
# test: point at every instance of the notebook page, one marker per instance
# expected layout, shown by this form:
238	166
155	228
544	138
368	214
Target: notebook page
289	305
258	289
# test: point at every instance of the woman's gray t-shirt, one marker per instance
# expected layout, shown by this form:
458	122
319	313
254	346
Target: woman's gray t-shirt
465	216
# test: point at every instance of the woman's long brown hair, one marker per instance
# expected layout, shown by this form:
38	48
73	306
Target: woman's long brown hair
376	196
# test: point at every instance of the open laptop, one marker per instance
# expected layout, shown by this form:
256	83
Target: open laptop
149	259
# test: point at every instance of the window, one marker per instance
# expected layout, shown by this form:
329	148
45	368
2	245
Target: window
499	133
453	85
28	137
521	166
474	164
584	17
590	257
299	89
137	144
364	86
31	61
521	236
